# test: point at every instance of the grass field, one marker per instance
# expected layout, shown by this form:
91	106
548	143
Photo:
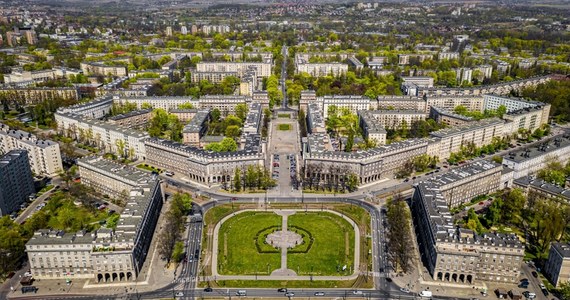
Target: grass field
284	127
333	245
284	115
237	253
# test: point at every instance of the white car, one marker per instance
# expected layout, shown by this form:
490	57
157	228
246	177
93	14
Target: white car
405	290
180	294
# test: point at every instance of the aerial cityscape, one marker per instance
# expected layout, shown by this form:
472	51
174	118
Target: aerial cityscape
164	149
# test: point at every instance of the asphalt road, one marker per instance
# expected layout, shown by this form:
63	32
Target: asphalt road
284	76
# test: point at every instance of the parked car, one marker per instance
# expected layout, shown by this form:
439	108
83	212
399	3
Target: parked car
405	290
534	274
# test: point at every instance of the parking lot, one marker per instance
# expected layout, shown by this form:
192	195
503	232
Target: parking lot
283	160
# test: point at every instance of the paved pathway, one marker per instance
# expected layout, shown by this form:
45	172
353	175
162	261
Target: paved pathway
284	271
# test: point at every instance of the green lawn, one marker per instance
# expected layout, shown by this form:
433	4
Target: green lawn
284	127
240	255
333	240
149	168
215	214
284	115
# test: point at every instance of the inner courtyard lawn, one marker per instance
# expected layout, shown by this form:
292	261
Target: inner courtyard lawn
332	248
237	252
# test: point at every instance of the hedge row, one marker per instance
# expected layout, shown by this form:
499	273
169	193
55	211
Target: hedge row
263	233
303	232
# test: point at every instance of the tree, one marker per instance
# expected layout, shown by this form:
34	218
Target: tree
399	233
186	105
473	222
232	131
226	145
237	180
178	252
513	203
215	114
352	182
120	147
241	111
564	290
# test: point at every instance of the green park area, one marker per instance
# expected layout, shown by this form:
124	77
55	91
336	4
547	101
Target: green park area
239	252
284	127
331	248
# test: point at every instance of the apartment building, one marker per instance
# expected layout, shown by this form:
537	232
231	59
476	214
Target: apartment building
307	96
164	102
530	160
100	68
447	55
479	133
95	109
493	101
321	69
109	178
133	119
472	103
371	128
200	166
466	182
315	120
105	255
31	96
352	102
449	118
43	155
252	122
557	267
394	119
193	131
113	138
463	75
459	255
263	69
211	76
420	81
486	71
370	165
530	118
16	181
399	103
498	89
226	104
532	185
184	115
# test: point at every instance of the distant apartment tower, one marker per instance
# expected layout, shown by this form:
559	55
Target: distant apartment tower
16	181
169	31
44	155
183	30
557	267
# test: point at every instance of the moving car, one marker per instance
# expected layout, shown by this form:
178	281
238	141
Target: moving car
289	294
282	290
405	290
208	290
319	294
